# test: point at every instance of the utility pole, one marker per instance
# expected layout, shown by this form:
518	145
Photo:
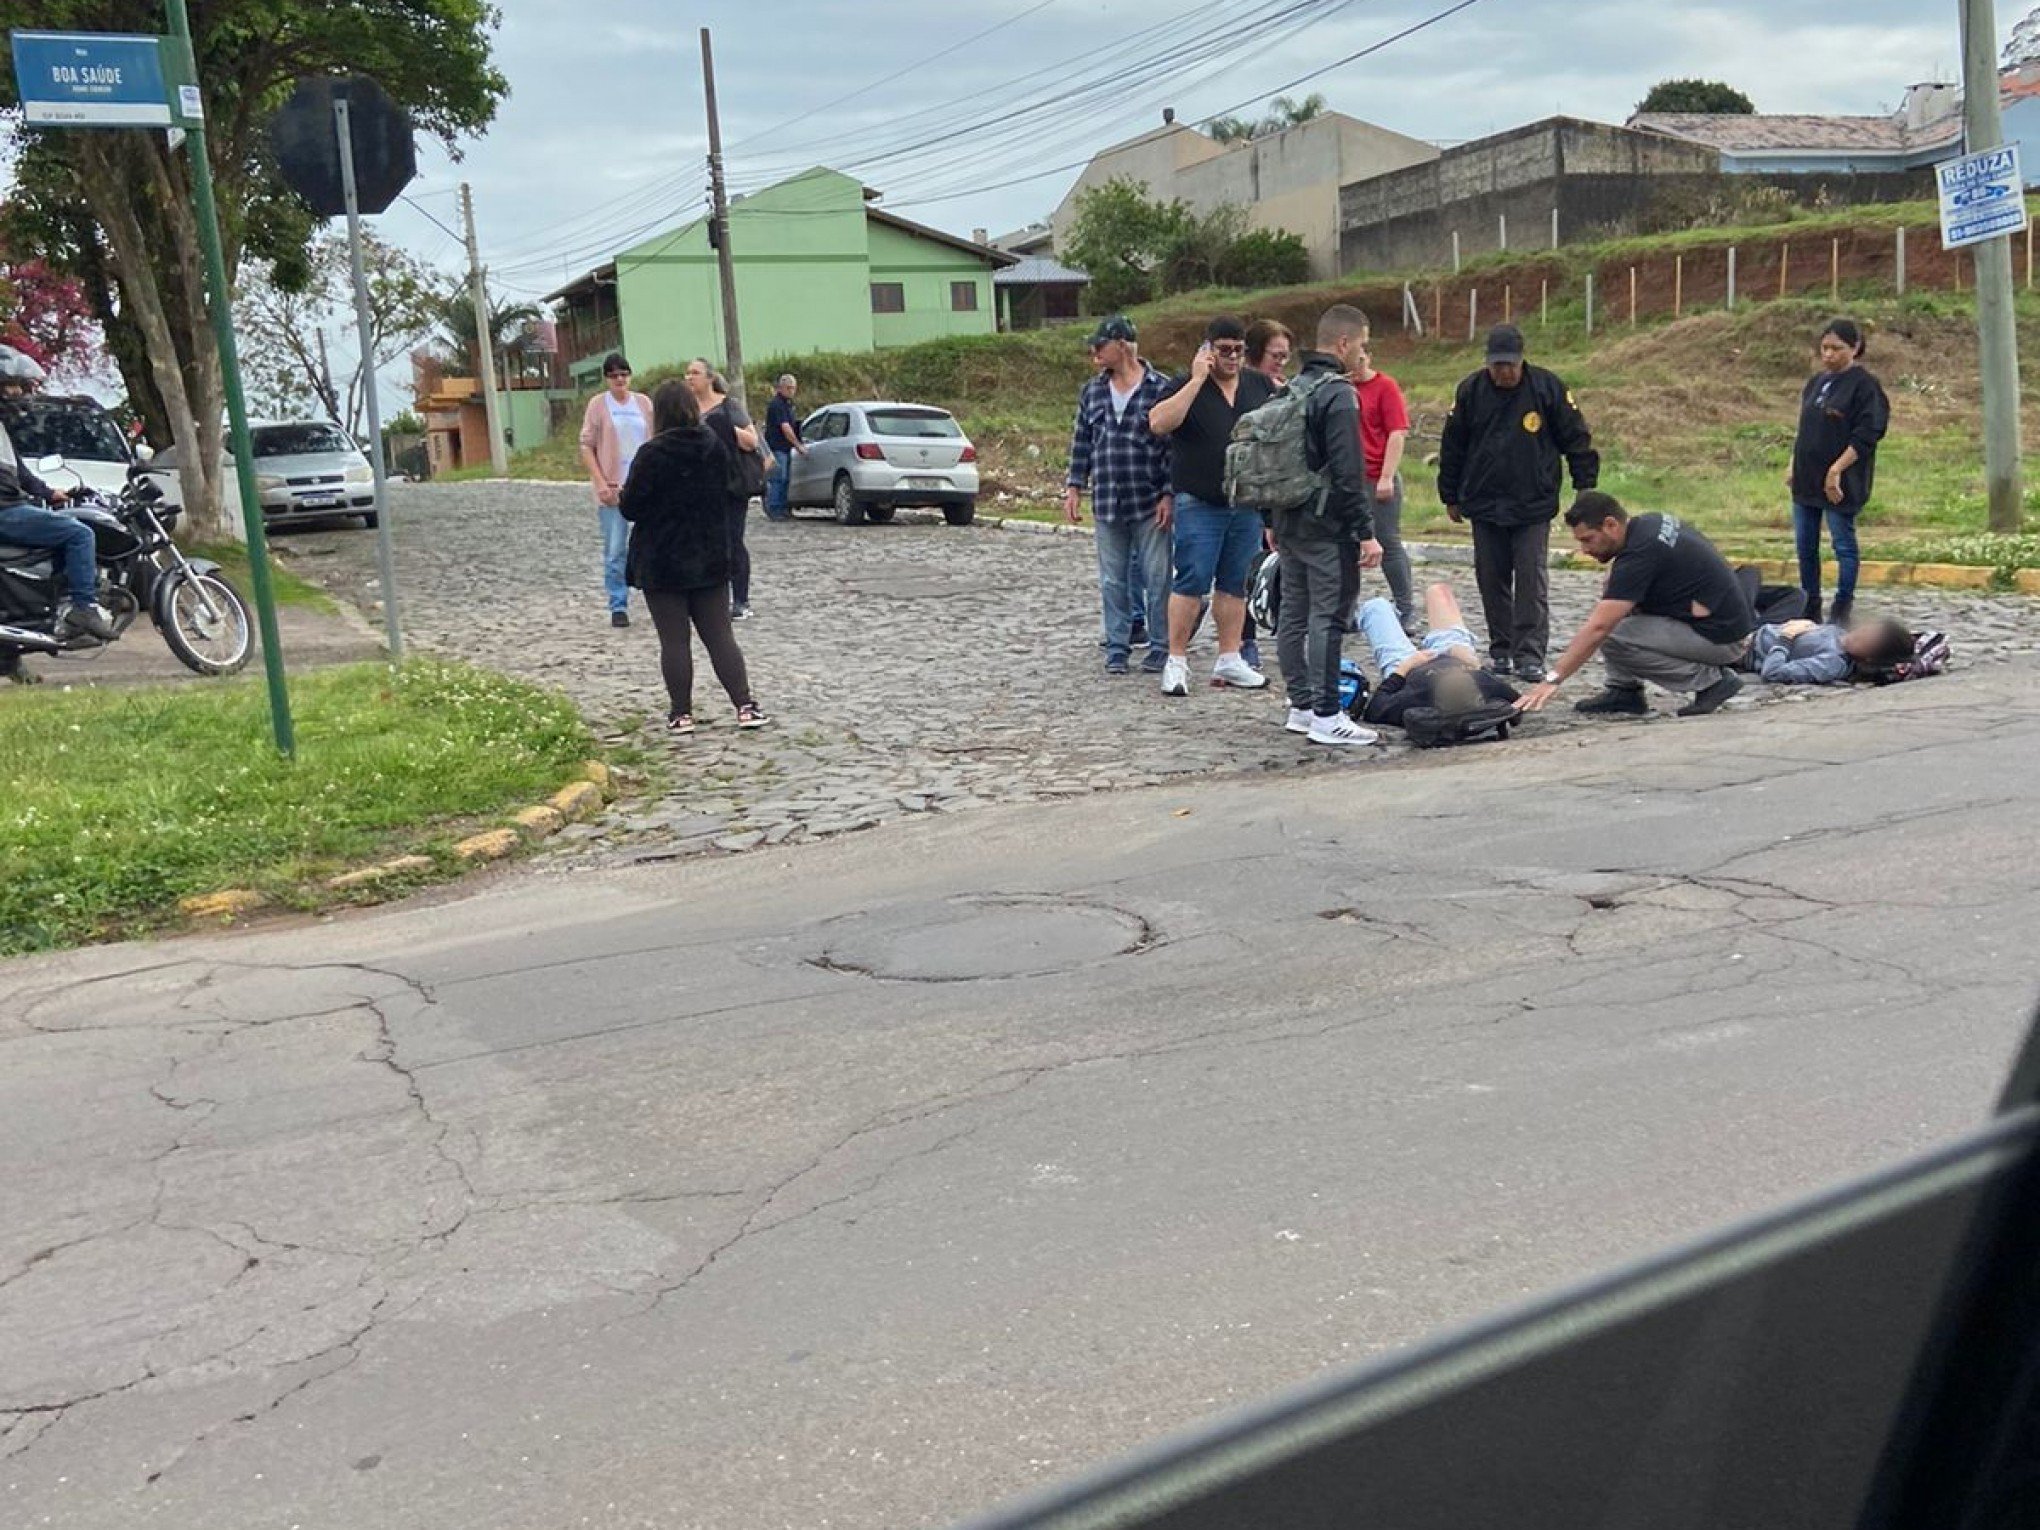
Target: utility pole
1996	330
719	233
485	343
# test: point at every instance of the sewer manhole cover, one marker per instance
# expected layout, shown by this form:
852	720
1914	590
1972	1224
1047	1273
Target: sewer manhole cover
973	938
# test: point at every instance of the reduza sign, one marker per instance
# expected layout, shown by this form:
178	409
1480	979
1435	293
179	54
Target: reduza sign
1982	196
90	79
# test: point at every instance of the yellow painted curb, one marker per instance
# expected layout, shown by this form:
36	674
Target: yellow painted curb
375	873
490	845
538	820
576	800
221	905
597	772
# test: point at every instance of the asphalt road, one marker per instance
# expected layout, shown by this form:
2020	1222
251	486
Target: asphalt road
861	1183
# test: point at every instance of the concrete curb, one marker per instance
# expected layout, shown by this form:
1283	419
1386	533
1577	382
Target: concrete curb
540	820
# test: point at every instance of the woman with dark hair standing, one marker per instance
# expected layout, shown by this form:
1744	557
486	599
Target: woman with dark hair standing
1843	414
732	426
677	502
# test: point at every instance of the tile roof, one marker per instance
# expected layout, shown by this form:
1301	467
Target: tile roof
1785	133
1039	270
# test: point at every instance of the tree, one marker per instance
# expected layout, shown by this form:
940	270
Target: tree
454	314
1230	129
1287	113
1265	258
49	320
1708	96
113	207
1121	238
286	335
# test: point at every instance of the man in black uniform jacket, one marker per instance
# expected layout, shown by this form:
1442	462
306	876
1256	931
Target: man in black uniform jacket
1672	612
1498	468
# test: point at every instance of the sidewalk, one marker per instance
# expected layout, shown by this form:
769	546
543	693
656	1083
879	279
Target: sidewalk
309	638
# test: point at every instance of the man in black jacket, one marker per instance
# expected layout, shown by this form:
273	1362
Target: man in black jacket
1498	468
1326	542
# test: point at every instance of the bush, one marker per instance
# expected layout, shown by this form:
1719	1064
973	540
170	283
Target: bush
1265	258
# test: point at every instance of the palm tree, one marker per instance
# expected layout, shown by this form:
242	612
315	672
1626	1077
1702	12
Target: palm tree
457	351
1289	113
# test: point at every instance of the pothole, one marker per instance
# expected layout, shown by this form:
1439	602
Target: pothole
979	937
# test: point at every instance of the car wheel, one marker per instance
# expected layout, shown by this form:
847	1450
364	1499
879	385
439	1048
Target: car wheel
960	515
879	515
849	508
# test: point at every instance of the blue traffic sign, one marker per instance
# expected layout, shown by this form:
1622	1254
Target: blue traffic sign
1983	196
90	79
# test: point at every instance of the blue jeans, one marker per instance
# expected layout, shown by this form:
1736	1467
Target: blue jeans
32	526
1841	525
775	485
1132	555
1383	630
615	544
1215	544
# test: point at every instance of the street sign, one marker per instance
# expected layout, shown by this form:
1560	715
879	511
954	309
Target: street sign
1983	196
308	153
90	79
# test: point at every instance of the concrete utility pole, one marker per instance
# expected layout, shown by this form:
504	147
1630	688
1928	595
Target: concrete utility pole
485	343
719	234
1996	332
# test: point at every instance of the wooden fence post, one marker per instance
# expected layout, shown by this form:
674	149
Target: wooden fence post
1678	286
1731	278
1590	302
1784	260
1455	252
1898	262
1835	270
1544	302
1472	312
1632	297
1438	311
1508	304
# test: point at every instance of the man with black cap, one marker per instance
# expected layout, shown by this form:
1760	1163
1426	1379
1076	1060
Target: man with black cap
1126	468
1499	469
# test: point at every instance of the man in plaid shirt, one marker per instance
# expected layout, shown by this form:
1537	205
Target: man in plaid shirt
1127	471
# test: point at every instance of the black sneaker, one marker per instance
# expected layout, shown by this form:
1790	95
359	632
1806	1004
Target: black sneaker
90	618
1616	700
619	618
1711	698
1503	667
1532	671
1137	638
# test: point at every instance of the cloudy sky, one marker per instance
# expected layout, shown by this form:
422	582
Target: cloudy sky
975	113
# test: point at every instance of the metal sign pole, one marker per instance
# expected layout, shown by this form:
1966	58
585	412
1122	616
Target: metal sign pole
217	293
385	562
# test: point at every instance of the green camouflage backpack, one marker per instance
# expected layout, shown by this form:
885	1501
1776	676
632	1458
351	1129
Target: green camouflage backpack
1265	463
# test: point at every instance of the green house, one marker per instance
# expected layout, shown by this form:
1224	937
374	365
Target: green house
818	268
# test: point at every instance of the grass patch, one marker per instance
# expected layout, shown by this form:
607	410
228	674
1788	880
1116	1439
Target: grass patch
119	803
289	588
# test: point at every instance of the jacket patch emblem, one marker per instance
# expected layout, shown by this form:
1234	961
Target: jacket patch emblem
1533	422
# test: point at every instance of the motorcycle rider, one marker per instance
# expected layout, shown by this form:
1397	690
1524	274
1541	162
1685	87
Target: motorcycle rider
29	525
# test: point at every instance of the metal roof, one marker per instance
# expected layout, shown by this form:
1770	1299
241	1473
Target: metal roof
1039	271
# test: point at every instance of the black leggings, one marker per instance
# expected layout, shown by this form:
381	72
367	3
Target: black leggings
677	614
740	555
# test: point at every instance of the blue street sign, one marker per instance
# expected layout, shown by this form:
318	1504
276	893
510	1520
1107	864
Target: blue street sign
90	79
1983	196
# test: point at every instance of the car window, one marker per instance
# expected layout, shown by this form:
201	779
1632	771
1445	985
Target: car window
932	423
300	440
44	427
816	426
839	424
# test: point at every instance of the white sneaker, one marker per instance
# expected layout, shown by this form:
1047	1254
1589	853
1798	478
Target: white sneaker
1231	669
1299	720
1176	677
1340	729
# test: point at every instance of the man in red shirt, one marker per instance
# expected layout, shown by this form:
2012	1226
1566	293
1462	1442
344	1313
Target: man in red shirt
1384	430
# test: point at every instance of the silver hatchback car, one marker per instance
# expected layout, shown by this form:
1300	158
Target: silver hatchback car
867	458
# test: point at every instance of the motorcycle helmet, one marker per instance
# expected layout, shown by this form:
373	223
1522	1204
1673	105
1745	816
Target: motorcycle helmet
1264	591
20	374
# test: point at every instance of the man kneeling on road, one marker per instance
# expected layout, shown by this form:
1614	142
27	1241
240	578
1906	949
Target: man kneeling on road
1671	612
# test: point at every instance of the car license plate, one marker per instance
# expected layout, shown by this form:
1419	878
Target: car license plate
924	483
320	502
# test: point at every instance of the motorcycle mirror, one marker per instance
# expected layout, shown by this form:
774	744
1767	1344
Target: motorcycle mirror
50	464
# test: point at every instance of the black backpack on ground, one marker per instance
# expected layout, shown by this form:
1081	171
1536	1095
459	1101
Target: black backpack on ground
1429	728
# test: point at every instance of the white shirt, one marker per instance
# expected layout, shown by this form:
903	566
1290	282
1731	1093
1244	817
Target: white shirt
1121	399
629	421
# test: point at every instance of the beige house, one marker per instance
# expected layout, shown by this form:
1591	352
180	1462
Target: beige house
1288	180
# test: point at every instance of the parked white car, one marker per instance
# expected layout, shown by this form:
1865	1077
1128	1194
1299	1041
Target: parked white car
866	458
305	470
77	429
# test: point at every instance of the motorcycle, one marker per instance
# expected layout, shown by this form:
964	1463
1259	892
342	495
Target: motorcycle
201	616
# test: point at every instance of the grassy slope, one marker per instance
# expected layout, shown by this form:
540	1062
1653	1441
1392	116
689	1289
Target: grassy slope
1694	415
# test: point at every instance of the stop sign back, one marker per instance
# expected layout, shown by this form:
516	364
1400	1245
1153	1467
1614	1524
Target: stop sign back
307	144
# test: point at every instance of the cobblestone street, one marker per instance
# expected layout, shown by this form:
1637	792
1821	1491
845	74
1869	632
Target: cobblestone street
908	668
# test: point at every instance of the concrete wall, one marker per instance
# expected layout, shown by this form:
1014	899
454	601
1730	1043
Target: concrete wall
924	268
1153	159
1600	179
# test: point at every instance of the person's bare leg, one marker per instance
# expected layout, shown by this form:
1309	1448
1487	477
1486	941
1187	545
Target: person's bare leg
1183	611
1230	612
1441	610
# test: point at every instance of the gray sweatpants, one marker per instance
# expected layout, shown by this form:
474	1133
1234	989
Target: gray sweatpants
1665	650
1320	578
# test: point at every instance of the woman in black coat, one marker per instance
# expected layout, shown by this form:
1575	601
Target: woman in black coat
1843	414
676	500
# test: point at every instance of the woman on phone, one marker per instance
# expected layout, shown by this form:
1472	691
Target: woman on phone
1843	414
677	502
